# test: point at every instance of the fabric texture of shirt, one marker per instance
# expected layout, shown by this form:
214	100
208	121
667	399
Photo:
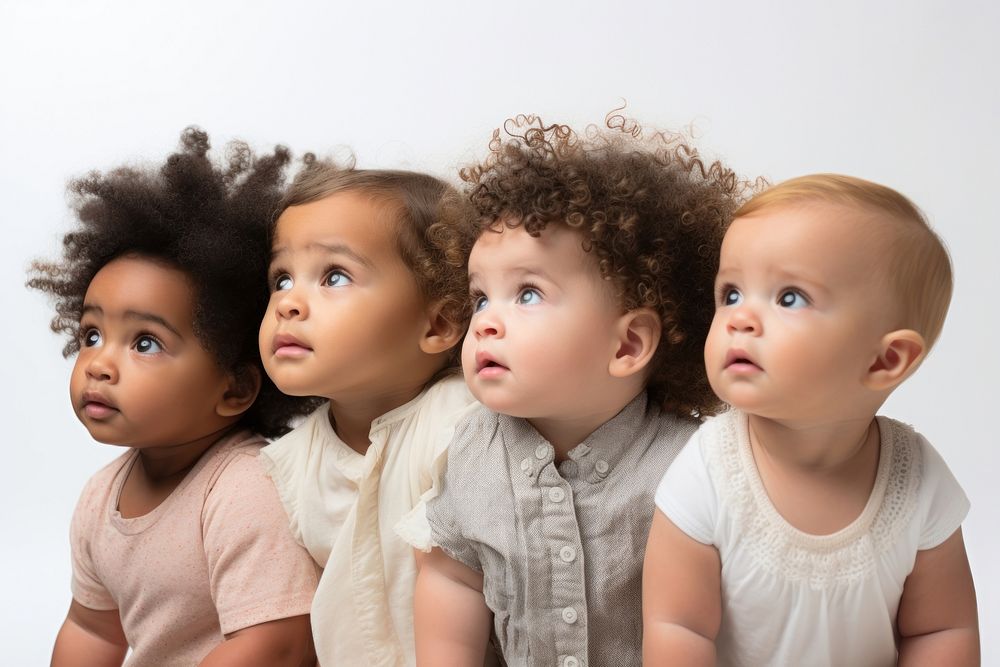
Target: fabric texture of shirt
350	511
214	557
560	545
791	598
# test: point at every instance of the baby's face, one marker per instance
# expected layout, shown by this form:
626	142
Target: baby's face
801	306
346	316
543	328
142	378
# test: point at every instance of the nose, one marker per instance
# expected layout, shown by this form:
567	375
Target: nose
101	366
291	304
744	319
487	323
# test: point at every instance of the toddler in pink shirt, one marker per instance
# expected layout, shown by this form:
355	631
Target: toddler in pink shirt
181	550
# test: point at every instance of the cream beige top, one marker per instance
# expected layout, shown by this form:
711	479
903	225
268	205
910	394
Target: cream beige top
350	511
216	556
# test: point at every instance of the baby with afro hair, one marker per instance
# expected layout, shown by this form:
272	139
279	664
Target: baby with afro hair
181	551
590	268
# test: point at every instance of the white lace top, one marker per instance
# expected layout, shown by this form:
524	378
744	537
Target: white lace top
791	598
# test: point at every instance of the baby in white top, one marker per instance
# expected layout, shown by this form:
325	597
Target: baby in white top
798	528
367	305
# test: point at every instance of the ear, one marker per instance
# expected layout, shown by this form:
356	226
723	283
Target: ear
900	352
441	333
244	385
637	337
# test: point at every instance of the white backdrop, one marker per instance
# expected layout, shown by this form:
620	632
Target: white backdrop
901	92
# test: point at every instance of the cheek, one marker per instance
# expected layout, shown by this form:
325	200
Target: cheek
468	353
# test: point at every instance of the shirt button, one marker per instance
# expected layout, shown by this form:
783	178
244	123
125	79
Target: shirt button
567	554
602	467
541	451
569	615
556	494
570	661
526	467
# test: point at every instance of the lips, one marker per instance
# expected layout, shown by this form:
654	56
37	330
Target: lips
740	360
286	345
487	363
97	406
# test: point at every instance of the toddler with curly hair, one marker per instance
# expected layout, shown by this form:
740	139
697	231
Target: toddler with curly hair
367	307
181	552
590	272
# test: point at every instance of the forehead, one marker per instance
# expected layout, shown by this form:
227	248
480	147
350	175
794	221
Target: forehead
514	245
820	236
134	283
557	251
347	217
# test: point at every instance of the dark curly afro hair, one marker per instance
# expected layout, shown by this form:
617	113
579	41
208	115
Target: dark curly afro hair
649	208
208	220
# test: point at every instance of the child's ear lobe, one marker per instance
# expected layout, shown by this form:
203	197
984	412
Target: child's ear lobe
900	352
244	385
442	333
638	336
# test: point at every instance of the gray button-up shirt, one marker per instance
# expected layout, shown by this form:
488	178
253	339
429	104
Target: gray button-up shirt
561	545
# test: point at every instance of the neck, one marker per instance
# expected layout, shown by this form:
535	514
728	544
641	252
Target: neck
820	448
163	464
352	417
567	431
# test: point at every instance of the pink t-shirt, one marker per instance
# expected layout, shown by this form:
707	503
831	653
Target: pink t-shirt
216	556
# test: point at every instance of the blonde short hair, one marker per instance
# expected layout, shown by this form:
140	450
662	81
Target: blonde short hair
918	268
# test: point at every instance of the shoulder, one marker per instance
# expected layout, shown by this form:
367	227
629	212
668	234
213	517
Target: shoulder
294	445
235	455
444	405
473	433
95	494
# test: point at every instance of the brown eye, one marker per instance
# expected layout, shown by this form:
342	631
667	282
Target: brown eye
91	337
147	345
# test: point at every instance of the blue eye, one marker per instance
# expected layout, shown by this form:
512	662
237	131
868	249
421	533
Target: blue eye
731	296
91	337
529	296
479	303
146	344
282	282
791	298
336	278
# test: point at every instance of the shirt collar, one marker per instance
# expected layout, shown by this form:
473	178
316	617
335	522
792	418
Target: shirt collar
594	459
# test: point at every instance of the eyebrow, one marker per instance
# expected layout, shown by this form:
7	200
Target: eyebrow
332	248
135	315
523	272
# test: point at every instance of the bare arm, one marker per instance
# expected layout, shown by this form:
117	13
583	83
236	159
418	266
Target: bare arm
90	638
451	619
286	642
681	597
937	620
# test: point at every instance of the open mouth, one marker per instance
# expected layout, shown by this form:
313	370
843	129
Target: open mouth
739	360
487	364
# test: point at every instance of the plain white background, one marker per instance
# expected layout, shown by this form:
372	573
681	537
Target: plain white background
905	93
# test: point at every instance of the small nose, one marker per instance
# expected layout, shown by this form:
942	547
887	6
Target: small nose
486	323
101	366
743	319
291	305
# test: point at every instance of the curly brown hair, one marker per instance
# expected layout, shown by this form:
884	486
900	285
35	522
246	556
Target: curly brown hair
207	220
650	209
427	211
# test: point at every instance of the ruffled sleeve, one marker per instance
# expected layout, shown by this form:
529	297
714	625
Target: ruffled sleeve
943	504
451	403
